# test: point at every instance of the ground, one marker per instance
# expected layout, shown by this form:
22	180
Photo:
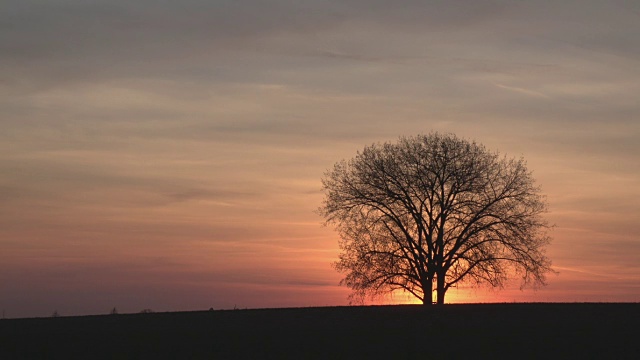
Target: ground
368	332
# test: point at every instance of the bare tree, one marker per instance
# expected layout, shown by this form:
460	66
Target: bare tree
432	211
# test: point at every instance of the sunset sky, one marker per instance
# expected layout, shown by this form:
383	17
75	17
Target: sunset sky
168	154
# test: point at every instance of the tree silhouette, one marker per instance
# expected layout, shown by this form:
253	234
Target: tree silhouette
432	211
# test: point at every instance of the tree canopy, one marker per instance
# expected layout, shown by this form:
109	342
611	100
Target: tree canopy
431	212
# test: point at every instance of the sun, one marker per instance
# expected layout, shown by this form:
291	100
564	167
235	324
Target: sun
453	296
403	298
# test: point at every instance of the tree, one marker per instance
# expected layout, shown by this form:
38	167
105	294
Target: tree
433	211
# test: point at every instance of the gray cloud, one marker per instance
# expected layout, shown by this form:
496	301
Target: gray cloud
71	41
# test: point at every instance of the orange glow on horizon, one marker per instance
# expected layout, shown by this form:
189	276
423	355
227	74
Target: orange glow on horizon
453	296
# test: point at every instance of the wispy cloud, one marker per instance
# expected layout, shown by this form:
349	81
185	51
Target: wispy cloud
523	91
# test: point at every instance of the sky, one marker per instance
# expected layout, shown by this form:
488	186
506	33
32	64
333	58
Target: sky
168	155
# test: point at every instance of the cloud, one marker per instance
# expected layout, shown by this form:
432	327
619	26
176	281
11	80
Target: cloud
523	91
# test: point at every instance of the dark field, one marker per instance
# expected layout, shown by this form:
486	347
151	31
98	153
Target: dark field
561	331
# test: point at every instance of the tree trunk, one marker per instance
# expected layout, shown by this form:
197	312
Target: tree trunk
427	289
440	289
